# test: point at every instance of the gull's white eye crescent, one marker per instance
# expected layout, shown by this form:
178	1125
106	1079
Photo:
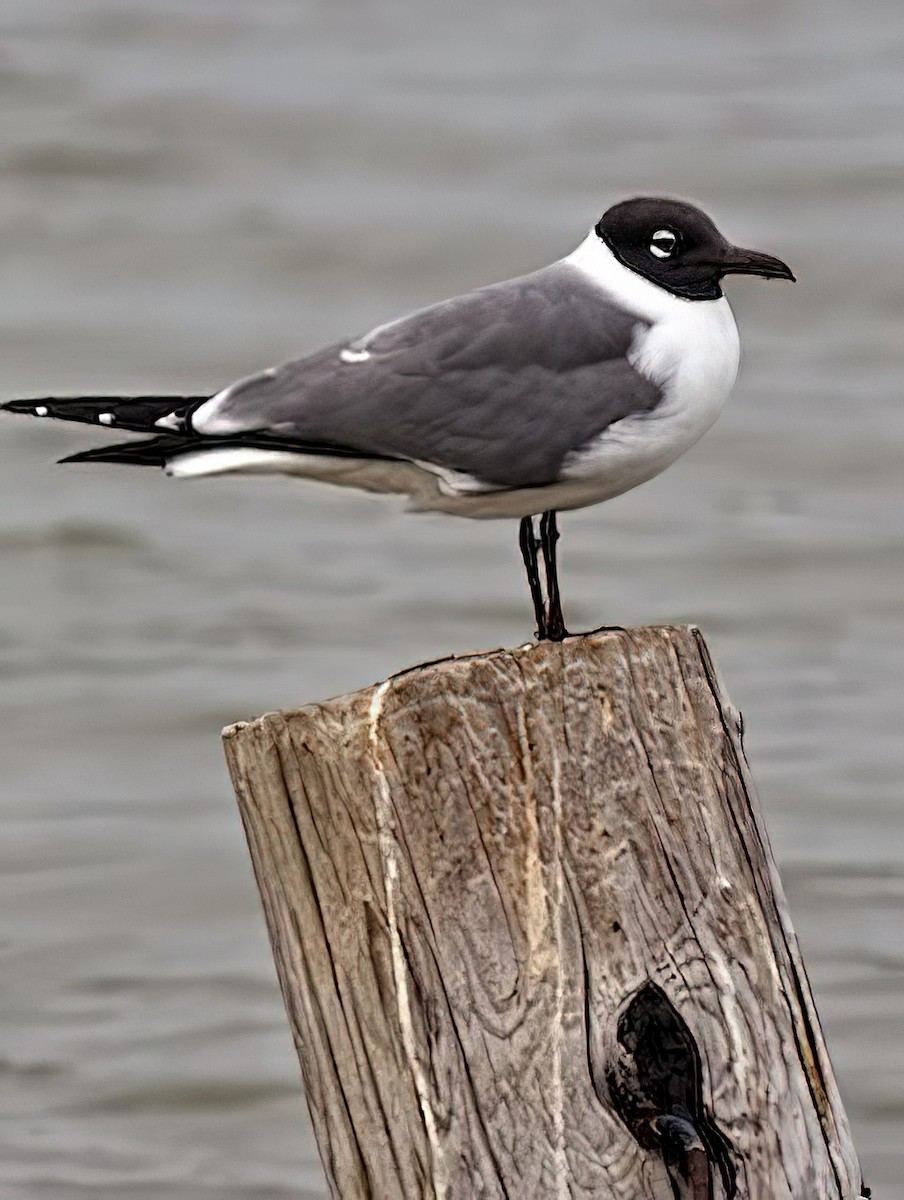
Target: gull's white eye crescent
663	243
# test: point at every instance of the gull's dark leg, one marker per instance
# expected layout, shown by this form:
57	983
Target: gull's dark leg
529	547
549	535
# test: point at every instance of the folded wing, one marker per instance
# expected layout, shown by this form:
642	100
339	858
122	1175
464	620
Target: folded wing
501	384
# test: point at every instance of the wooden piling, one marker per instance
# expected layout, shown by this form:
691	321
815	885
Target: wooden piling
531	936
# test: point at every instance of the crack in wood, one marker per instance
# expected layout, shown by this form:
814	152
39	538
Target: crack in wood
389	853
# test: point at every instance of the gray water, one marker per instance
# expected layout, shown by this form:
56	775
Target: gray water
192	189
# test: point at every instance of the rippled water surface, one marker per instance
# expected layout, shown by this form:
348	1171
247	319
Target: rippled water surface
194	189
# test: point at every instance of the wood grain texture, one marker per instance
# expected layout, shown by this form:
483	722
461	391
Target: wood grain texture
471	870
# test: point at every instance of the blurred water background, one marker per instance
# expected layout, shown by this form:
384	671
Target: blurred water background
192	189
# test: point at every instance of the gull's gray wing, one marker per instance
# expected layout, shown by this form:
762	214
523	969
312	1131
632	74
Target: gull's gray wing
502	383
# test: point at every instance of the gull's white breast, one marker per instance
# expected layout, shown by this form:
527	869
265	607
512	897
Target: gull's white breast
688	348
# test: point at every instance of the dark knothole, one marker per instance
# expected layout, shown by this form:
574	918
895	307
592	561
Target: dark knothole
656	1087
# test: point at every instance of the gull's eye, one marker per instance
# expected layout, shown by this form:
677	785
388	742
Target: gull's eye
664	243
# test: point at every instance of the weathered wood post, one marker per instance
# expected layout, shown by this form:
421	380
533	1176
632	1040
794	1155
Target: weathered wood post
531	937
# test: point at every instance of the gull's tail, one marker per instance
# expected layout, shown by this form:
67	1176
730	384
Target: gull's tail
175	446
144	414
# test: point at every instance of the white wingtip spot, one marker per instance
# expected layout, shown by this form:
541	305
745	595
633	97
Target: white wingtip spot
42	410
348	355
106	418
170	421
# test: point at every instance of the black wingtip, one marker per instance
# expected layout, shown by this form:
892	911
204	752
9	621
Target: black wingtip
158	451
86	456
141	414
152	452
34	408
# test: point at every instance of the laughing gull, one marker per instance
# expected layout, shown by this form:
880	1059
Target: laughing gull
554	390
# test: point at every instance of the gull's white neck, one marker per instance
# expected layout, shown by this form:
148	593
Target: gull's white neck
688	348
595	260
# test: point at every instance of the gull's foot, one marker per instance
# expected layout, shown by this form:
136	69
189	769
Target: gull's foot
555	628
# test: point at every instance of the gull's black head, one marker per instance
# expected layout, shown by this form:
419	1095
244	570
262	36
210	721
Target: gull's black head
677	247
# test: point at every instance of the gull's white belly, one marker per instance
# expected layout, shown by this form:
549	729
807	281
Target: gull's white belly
694	359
